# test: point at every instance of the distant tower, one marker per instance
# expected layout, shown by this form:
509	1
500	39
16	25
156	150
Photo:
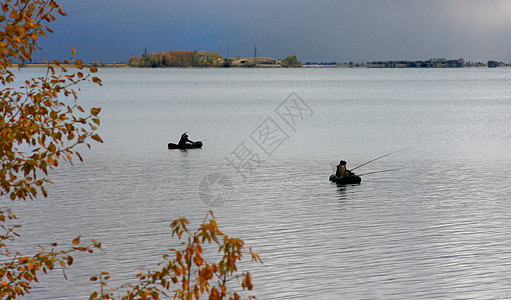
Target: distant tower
255	51
228	51
145	51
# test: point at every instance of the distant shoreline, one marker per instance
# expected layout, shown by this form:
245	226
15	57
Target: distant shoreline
205	59
309	65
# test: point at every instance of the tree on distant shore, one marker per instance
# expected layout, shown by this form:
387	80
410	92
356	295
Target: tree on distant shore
227	62
291	62
178	59
39	127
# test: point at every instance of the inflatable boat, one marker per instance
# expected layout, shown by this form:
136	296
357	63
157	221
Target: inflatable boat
195	145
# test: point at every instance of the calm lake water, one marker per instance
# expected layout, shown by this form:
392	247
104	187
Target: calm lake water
437	228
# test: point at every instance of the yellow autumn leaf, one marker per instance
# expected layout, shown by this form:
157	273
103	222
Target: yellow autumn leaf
96	80
97	138
95	111
93	295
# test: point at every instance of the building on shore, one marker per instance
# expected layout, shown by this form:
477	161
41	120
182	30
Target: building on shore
256	62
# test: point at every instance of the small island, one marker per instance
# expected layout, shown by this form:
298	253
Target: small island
205	59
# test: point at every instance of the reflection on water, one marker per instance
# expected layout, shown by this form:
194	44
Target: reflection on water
437	228
341	191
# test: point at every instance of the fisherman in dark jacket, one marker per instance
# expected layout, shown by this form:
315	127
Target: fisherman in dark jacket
341	170
185	141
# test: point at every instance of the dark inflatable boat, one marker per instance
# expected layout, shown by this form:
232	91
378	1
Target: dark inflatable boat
195	145
351	179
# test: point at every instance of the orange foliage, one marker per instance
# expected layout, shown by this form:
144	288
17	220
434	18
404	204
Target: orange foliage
33	115
186	274
177	59
33	118
18	272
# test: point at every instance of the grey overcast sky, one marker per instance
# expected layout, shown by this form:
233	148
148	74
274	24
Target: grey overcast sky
320	30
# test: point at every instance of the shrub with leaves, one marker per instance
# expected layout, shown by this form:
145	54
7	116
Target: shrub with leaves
35	116
185	272
41	124
18	271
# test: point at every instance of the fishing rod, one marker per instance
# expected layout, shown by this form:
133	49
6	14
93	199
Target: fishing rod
209	138
379	172
378	158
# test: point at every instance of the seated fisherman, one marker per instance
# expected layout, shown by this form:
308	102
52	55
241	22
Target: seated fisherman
184	140
341	170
